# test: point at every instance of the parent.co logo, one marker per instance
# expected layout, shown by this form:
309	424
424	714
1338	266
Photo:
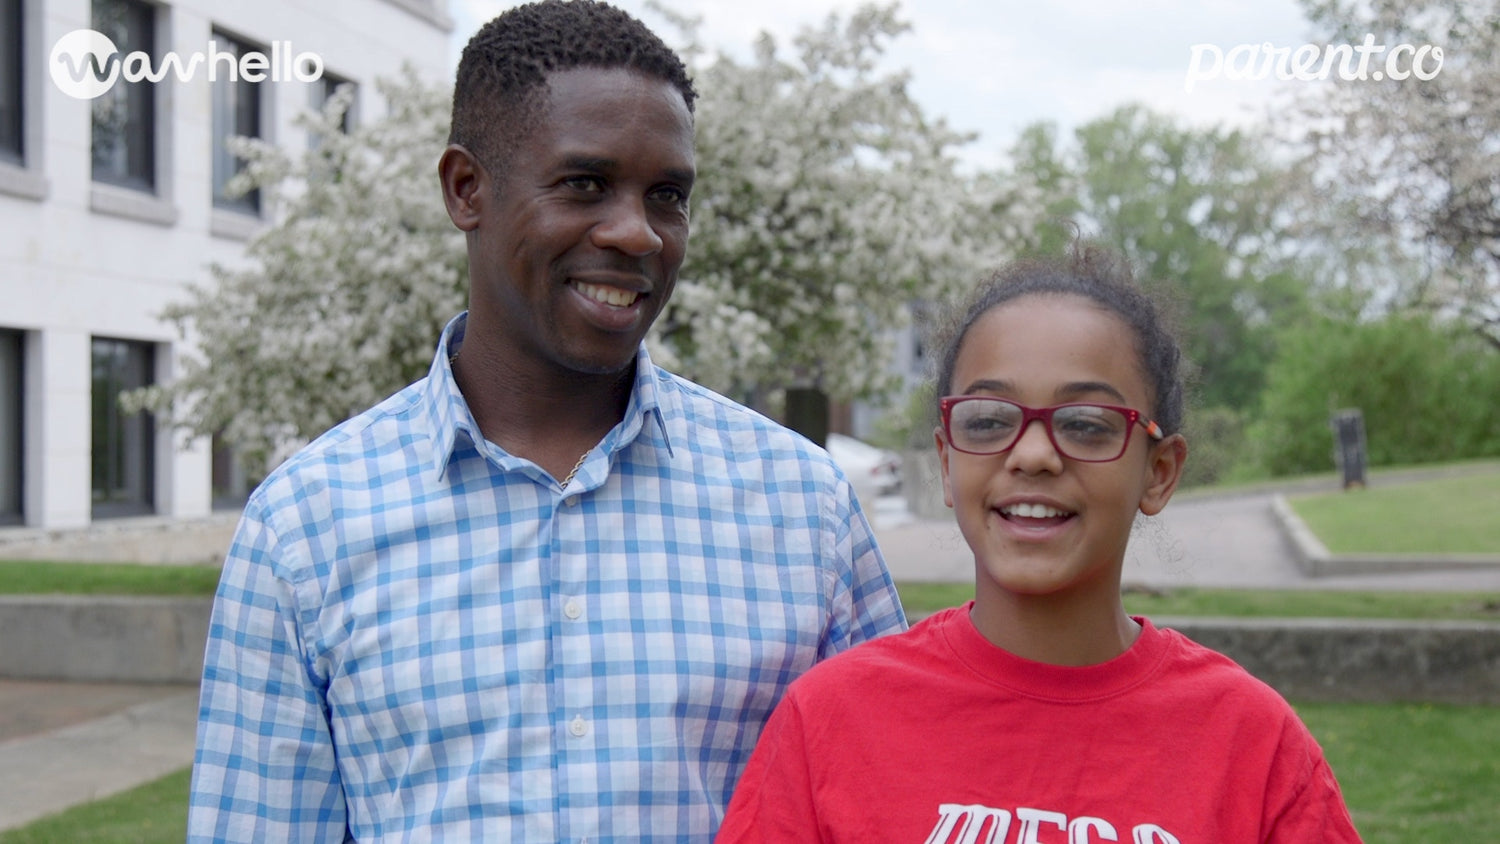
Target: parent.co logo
85	64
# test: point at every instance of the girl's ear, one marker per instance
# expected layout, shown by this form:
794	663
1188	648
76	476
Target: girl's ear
942	450
1163	472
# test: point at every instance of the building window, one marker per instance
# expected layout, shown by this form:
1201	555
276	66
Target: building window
12	394
232	482
12	69
323	88
124	452
124	136
237	112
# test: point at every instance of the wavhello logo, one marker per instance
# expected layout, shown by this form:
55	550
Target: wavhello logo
85	64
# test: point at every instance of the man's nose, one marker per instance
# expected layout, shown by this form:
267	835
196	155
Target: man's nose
627	228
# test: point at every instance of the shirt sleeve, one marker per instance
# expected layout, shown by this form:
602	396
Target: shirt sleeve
264	769
1312	806
773	802
865	603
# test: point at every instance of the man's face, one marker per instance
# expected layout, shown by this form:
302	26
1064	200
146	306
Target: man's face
580	238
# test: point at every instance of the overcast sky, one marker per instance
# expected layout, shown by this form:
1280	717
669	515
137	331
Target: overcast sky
994	66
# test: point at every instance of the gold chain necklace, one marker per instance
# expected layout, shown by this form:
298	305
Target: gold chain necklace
576	466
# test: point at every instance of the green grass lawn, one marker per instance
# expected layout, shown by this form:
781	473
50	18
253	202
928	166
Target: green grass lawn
1448	515
1414	772
1410	773
34	578
29	577
923	598
154	812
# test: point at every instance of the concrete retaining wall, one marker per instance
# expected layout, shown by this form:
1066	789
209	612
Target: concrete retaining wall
103	638
1360	661
150	640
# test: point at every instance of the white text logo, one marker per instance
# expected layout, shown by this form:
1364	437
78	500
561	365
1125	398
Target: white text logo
1312	61
85	64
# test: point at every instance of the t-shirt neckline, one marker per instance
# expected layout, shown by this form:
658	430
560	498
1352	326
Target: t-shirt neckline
1043	681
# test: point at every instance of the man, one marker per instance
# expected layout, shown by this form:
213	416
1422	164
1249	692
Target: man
550	592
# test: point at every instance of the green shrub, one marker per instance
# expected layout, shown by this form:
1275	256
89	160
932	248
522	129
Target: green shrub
1427	390
1216	443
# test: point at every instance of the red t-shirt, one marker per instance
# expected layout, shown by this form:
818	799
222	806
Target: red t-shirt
936	736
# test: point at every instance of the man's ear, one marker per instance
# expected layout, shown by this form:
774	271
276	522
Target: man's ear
942	451
465	186
1163	472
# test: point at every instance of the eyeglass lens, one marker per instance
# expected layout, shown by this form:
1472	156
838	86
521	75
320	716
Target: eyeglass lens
1080	431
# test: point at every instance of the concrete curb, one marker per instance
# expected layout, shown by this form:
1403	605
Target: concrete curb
105	638
1315	560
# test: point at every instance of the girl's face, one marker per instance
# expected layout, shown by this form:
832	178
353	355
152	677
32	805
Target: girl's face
1074	518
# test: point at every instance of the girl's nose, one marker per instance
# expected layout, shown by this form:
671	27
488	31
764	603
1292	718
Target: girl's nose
1033	451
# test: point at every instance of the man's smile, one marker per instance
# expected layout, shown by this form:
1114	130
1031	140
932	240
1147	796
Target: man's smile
607	295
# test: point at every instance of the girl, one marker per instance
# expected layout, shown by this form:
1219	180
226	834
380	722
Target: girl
1041	712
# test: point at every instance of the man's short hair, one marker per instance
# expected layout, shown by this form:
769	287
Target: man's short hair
503	71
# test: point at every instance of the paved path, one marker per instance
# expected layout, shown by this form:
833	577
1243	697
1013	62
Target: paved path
68	743
1208	541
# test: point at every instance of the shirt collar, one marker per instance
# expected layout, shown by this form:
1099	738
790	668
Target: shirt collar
452	424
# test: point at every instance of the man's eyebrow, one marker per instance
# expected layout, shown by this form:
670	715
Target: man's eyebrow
600	164
590	163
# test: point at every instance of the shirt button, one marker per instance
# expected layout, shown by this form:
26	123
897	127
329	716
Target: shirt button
579	727
571	501
572	610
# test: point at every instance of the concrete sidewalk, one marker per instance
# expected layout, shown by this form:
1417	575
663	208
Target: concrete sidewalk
62	744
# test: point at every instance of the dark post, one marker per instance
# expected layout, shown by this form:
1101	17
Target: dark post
1349	446
807	413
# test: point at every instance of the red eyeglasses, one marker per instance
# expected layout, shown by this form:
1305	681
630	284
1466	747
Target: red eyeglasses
1088	433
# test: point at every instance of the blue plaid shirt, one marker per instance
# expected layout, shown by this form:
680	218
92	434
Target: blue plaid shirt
419	636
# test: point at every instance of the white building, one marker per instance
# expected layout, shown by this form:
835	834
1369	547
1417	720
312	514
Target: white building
109	206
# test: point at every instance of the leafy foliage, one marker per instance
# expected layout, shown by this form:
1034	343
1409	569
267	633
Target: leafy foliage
1216	441
1426	389
1195	209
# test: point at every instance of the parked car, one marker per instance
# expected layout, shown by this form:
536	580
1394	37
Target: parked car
873	471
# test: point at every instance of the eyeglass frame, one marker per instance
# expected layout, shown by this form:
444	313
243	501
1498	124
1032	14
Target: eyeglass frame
1132	416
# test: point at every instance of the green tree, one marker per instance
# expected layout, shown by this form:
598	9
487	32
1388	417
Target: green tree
1196	210
1425	387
